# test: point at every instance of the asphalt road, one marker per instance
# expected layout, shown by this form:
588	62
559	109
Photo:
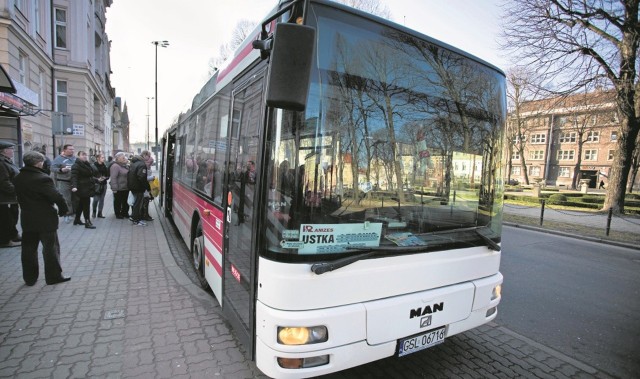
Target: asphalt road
577	297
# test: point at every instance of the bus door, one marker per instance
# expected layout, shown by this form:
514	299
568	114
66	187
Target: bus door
240	238
168	163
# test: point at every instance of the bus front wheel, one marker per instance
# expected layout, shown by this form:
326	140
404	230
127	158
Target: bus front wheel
197	253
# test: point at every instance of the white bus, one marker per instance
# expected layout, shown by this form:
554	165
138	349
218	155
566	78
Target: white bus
339	184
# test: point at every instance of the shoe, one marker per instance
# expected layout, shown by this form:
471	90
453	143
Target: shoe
18	238
30	284
89	225
78	222
148	218
67	219
11	244
140	223
100	215
62	279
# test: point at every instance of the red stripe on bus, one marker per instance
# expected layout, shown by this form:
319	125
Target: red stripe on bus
213	261
236	60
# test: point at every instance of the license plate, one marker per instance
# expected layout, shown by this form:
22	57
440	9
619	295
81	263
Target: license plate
421	341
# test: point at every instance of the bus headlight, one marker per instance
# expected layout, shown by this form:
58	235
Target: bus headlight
302	335
497	291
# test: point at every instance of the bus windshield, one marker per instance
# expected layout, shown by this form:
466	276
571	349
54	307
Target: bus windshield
400	145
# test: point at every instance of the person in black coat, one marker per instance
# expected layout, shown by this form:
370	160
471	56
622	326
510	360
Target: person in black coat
103	176
137	183
9	212
36	195
83	181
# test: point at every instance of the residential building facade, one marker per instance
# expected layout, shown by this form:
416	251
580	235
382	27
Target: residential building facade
561	141
56	52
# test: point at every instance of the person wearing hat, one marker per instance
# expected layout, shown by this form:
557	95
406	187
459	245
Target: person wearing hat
37	196
9	236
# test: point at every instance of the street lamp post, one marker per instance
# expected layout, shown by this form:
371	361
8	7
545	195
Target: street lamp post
148	98
162	44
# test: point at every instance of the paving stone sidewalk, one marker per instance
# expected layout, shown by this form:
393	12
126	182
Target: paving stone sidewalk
130	311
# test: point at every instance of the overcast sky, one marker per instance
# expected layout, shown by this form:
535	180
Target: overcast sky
195	30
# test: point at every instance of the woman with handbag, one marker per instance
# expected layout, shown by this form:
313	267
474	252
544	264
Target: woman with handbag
83	180
101	187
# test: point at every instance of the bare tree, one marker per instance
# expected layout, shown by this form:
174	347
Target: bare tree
522	88
225	51
635	165
579	44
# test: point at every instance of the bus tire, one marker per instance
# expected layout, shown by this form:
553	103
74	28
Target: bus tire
197	255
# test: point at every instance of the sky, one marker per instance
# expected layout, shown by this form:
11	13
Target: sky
197	28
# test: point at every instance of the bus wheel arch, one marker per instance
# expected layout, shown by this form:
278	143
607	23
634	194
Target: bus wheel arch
197	252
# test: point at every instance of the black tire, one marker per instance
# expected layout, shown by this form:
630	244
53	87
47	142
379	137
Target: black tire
197	255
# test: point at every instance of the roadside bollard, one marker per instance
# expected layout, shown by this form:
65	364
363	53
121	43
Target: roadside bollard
541	211
609	220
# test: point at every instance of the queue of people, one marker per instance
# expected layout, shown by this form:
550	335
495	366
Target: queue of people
72	185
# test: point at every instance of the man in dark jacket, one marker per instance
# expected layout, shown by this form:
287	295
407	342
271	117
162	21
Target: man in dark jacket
137	183
36	196
9	236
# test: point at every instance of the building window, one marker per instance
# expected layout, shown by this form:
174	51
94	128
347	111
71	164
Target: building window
515	170
614	136
61	28
611	154
515	156
591	155
536	154
569	137
534	170
593	136
61	96
564	172
42	83
23	67
20	5
538	138
517	139
566	155
36	16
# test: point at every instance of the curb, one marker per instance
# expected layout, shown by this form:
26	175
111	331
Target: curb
170	263
569	235
554	353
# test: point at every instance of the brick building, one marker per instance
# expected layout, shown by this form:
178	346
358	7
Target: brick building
560	141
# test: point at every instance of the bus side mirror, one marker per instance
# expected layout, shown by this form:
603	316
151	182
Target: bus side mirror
290	66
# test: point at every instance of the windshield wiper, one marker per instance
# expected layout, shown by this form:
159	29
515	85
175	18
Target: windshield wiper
491	244
321	268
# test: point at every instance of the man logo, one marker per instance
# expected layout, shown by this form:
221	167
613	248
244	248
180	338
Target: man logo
425	321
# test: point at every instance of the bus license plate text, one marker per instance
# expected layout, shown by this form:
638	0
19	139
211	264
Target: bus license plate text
421	341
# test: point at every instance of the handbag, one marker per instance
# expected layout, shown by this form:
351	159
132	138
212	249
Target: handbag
98	189
131	199
155	187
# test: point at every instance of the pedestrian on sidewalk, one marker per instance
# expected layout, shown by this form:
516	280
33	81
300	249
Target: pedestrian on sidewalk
47	162
103	176
9	211
83	180
37	194
148	160
137	183
61	169
118	180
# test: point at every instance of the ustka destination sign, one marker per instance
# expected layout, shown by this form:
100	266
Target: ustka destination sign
334	238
